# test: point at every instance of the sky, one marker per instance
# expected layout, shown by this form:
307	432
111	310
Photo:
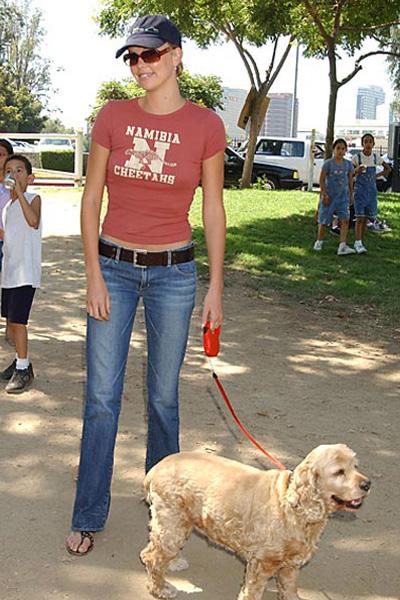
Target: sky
82	60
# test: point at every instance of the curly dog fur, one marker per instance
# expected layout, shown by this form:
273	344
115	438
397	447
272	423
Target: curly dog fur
271	519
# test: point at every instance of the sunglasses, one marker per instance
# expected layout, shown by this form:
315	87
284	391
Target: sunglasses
148	56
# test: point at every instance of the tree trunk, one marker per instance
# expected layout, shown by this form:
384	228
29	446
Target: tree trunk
333	93
256	121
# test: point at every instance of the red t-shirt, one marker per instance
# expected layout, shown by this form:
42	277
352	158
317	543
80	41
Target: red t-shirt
154	168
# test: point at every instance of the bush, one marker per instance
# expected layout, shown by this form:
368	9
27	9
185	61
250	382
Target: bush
58	160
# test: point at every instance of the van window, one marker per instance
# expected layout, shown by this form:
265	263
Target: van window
292	149
269	147
281	148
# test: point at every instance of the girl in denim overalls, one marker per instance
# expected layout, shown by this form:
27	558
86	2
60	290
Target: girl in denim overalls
336	183
365	191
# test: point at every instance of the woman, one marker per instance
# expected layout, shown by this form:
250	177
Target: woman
151	152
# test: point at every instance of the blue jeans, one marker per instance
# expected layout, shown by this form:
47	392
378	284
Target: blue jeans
168	295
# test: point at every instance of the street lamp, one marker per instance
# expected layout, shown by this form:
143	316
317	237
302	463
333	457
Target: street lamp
296	72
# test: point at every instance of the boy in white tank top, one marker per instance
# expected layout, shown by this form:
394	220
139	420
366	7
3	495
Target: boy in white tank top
21	267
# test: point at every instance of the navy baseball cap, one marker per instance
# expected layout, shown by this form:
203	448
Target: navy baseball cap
152	31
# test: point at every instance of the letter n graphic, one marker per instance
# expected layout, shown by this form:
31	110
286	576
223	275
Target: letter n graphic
143	157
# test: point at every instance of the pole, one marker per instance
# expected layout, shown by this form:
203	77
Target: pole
311	162
78	166
296	73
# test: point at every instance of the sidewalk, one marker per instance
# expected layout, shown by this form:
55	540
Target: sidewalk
296	377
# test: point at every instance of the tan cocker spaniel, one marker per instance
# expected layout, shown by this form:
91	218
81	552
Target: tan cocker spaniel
271	519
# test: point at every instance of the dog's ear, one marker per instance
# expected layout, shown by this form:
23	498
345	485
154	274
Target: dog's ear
303	493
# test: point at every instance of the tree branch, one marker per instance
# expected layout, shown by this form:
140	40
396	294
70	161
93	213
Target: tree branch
253	62
281	62
372	27
228	30
358	67
271	64
313	12
336	23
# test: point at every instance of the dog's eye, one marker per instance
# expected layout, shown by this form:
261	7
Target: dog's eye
339	473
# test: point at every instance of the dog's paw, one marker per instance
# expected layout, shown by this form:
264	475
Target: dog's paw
167	591
178	564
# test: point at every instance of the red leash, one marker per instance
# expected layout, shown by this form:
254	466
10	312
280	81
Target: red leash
211	348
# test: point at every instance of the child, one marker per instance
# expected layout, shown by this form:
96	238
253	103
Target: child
5	151
21	268
336	183
365	191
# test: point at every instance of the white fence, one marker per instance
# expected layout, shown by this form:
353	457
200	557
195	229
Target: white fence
78	150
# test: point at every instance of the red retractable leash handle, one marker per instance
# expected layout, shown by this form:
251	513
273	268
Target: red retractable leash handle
211	349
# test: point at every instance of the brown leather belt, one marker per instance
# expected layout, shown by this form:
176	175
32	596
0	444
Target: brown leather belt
141	258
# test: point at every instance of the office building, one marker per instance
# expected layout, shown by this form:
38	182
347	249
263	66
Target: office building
278	120
368	99
233	100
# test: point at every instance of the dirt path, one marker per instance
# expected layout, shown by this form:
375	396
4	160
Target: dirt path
298	377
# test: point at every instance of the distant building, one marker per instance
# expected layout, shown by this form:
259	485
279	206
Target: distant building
233	100
278	120
353	132
368	99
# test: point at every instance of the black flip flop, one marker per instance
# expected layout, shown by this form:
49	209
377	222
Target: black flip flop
84	535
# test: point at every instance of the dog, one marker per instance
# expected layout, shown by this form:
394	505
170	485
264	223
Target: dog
272	520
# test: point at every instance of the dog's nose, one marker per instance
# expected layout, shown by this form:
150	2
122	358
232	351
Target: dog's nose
365	485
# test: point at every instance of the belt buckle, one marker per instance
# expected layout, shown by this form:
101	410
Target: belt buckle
135	258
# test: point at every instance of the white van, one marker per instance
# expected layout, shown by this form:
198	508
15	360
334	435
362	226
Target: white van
289	152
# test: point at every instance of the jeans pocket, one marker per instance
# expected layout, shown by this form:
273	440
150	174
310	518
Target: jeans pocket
187	269
105	261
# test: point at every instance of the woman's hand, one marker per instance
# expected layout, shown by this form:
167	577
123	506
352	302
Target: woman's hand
212	310
97	299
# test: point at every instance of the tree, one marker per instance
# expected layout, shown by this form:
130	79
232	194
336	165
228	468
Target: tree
20	111
55	125
246	24
326	27
25	75
393	40
204	90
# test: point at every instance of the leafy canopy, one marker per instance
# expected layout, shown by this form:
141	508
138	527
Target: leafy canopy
24	74
204	21
204	90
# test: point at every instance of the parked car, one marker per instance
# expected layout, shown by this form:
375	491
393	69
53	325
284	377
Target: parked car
20	146
54	144
274	176
292	153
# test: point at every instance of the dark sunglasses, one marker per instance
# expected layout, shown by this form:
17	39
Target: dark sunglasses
148	56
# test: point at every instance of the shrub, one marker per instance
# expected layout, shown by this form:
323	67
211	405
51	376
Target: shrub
58	160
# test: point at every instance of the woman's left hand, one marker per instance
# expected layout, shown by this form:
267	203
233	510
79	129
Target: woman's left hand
212	310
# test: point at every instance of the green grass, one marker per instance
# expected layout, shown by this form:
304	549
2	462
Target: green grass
270	237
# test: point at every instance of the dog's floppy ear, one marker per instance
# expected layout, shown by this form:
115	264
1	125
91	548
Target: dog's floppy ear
303	493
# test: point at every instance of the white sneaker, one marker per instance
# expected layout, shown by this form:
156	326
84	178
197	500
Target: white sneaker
359	247
318	245
345	249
